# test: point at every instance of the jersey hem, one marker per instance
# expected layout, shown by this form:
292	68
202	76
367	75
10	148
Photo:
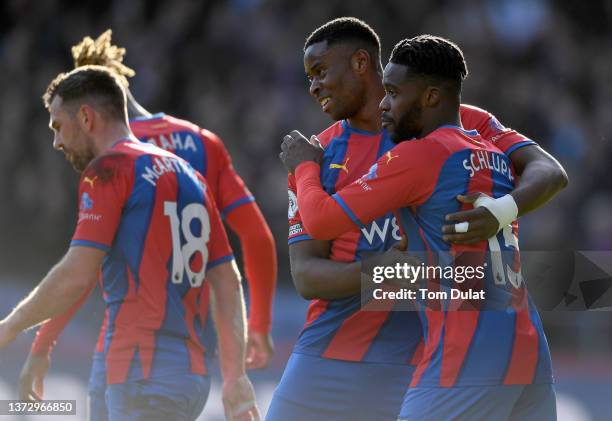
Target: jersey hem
518	146
219	261
303	237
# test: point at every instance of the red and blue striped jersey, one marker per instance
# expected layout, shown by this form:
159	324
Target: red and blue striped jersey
205	152
480	346
340	329
158	222
203	149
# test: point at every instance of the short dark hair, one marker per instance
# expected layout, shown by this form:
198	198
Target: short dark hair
429	55
346	29
96	82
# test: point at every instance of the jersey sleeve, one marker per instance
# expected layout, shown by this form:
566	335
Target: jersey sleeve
219	250
260	262
404	176
103	191
297	232
231	191
506	139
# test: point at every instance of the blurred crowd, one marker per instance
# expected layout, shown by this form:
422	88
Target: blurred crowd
235	67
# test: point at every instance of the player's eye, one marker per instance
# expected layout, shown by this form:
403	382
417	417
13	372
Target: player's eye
390	93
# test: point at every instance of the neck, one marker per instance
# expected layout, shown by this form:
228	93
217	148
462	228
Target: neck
446	115
368	117
111	134
134	108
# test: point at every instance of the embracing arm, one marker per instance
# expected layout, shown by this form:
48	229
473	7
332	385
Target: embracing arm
322	216
541	178
316	276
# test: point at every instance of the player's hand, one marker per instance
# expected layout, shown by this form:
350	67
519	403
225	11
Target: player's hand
296	149
259	349
239	400
481	223
31	379
7	333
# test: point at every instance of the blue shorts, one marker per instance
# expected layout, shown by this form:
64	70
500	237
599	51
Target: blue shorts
314	388
180	398
96	405
517	403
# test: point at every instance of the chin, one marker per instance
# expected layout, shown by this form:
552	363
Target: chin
338	115
80	165
78	168
335	116
394	135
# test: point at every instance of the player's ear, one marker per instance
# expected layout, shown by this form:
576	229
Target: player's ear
85	116
360	60
431	96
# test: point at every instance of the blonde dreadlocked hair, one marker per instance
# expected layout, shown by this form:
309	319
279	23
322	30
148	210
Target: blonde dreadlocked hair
102	53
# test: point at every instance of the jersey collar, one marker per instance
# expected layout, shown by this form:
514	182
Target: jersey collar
146	118
454	126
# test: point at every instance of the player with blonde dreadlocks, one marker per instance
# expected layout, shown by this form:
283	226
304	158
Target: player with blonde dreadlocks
207	154
101	52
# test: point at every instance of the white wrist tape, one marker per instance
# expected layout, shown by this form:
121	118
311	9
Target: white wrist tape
503	209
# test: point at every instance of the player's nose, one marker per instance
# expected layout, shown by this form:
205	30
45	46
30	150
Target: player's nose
314	88
384	104
57	143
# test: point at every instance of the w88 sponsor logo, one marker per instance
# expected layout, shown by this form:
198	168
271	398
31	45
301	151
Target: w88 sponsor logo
382	232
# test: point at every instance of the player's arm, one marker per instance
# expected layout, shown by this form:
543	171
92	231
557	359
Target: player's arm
230	321
60	289
260	266
316	276
244	218
50	330
259	256
101	205
541	178
34	370
229	315
389	185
